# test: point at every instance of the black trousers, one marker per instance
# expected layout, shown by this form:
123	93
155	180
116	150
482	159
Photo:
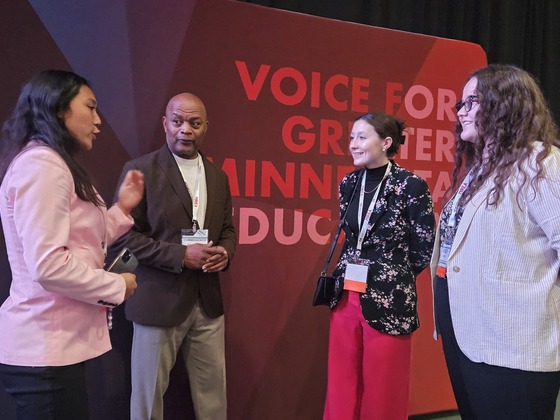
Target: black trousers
47	393
486	392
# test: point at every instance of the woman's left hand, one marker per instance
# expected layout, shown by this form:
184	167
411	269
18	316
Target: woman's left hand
131	190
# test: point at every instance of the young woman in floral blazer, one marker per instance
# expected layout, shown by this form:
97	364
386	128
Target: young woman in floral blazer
374	309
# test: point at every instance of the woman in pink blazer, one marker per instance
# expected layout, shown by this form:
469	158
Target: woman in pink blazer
56	229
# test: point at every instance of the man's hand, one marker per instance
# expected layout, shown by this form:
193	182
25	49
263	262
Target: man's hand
206	257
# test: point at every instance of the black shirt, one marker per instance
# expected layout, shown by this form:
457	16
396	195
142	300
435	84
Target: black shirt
373	178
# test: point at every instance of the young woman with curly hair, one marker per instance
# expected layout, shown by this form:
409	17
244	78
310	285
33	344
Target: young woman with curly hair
496	260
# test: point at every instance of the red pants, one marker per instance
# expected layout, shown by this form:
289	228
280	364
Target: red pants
368	371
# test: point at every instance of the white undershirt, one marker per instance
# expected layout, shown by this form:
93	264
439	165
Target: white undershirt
189	171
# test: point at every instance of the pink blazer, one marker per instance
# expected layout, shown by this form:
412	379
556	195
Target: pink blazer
56	311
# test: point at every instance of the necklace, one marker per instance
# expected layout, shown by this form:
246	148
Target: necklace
369	192
376	176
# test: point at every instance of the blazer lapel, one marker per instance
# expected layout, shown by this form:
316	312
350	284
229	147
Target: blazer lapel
169	167
382	200
210	191
470	210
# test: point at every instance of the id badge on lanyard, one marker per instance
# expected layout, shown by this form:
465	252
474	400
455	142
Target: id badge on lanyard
441	269
445	247
195	235
355	277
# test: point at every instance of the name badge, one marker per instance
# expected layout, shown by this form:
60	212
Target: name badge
192	236
444	251
355	278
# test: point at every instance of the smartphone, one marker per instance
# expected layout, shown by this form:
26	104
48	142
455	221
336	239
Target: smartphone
125	262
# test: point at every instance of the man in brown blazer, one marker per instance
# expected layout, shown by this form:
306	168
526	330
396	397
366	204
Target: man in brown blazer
183	237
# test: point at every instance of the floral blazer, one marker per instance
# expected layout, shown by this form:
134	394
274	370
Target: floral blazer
398	245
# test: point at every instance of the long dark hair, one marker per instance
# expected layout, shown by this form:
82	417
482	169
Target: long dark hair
37	116
513	115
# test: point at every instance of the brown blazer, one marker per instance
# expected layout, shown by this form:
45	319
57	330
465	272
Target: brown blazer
166	292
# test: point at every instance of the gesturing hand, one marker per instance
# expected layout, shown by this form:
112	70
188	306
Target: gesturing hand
131	190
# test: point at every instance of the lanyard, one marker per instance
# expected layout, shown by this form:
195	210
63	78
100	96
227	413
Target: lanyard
196	196
363	228
445	247
453	215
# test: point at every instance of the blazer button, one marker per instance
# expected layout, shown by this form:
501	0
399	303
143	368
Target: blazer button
456	269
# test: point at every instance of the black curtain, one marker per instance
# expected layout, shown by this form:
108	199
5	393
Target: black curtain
520	32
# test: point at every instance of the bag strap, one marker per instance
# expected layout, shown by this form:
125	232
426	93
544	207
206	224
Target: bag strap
333	246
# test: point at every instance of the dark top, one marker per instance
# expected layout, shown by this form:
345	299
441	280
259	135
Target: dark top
373	178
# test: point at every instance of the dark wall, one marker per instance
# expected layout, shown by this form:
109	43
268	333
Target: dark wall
520	32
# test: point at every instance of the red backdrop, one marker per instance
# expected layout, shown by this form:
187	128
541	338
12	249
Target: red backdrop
281	91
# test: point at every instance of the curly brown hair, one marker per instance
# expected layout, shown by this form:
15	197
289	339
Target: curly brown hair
513	117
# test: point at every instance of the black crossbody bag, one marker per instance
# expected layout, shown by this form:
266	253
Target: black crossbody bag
325	284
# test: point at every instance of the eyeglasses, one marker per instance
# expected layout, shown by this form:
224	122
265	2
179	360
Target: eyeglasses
468	104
